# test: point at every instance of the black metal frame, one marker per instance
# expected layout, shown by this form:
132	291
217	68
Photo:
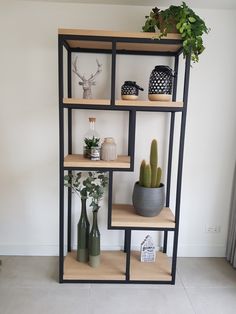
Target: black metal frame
62	43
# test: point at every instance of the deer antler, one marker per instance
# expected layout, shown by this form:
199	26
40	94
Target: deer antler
75	70
92	77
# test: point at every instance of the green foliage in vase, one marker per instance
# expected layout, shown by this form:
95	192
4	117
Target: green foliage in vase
90	185
150	175
91	142
190	26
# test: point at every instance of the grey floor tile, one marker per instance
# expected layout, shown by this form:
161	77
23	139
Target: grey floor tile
206	272
71	300
4	300
29	271
161	300
3	258
30	285
213	300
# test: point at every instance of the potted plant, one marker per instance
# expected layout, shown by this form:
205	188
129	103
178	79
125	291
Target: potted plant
88	185
149	193
180	19
89	144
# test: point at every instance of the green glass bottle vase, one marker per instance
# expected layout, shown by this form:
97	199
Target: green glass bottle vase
83	234
94	243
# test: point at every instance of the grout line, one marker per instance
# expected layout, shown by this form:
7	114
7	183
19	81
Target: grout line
90	309
186	292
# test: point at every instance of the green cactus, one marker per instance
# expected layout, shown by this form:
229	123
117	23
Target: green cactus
141	174
147	176
150	175
159	173
153	162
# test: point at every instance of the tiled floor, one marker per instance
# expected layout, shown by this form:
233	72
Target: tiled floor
28	285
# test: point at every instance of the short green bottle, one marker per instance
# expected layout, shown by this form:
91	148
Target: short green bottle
94	243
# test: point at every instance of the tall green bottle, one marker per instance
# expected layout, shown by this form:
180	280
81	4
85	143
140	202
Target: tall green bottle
83	234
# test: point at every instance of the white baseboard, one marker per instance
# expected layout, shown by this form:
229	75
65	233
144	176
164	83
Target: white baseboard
52	250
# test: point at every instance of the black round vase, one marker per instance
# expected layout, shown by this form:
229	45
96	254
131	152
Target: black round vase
160	83
130	90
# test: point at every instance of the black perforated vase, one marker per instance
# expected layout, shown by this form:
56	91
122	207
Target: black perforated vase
130	90
160	83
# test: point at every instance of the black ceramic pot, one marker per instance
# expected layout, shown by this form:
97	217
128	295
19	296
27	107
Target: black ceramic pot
160	83
130	90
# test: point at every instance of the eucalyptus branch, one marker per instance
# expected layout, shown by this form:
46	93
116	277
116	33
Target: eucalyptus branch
88	185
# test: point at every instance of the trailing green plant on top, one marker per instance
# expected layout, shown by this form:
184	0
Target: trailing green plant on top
183	19
150	174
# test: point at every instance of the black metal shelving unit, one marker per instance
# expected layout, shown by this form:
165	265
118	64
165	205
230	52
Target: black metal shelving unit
127	266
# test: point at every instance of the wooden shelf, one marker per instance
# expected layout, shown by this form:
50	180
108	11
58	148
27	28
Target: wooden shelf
125	216
147	103
124	103
112	267
150	44
159	270
77	160
82	101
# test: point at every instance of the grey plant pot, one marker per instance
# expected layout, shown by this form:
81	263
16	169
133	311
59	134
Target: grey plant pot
148	202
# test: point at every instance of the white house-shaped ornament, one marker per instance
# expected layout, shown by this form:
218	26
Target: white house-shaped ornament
148	252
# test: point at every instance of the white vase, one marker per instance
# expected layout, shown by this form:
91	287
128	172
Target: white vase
108	149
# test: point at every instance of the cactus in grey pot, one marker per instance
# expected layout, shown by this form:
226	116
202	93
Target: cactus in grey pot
149	193
150	175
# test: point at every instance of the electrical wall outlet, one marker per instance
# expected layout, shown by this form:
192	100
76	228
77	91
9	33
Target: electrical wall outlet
213	229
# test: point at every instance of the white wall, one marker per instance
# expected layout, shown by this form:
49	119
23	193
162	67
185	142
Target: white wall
29	126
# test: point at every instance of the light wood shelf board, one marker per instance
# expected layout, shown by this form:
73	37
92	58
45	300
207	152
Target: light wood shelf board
86	44
81	101
147	103
108	33
124	215
112	267
155	46
77	160
133	103
159	270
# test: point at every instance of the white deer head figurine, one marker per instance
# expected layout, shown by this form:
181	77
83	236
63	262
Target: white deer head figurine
86	83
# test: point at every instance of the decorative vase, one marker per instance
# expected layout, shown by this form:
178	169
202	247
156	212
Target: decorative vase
92	141
83	234
130	90
108	149
95	153
160	83
148	202
94	243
